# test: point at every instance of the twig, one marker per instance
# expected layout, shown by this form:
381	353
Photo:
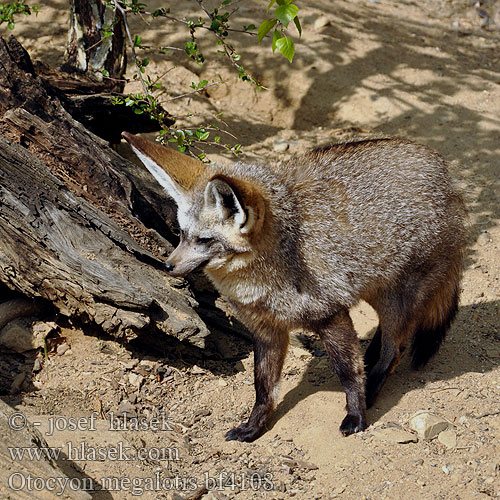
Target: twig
187	94
445	389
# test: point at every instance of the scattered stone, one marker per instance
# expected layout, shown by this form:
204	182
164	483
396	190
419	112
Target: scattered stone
321	22
222	382
196	370
448	438
483	239
301	353
447	468
17	383
280	146
16	308
41	329
394	435
135	379
37	365
127	408
427	425
18	336
130	365
61	349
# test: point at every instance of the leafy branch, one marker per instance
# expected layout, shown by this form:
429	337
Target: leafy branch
10	9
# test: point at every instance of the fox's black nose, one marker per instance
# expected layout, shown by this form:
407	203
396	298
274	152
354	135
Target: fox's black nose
169	267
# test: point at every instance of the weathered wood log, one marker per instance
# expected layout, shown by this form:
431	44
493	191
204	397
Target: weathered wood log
74	228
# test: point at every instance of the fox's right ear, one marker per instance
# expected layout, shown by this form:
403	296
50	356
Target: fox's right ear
174	171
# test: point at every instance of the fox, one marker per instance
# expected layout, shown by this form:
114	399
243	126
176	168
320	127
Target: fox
296	246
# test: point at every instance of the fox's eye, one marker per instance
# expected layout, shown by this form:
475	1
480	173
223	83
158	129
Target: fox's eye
204	241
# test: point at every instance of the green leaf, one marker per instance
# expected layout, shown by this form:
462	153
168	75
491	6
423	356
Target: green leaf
271	3
286	47
105	72
285	13
137	41
138	111
249	27
205	136
265	28
226	2
276	37
297	25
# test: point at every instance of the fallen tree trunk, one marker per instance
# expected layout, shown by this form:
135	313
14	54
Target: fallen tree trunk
71	219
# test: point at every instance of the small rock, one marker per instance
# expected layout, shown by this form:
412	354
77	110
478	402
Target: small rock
483	239
130	365
280	146
17	383
135	380
196	370
301	353
43	328
61	349
427	425
321	22
126	407
222	382
448	438
447	468
394	435
37	365
18	336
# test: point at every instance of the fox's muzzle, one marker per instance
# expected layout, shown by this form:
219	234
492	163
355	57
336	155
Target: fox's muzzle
185	259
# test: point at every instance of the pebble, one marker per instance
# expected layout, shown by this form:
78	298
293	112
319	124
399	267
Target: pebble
127	407
196	370
321	22
427	425
18	336
280	146
448	438
61	349
222	382
135	380
483	239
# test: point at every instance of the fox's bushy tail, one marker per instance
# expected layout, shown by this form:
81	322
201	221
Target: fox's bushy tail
438	315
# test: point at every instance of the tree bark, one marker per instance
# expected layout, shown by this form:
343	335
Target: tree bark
72	218
89	51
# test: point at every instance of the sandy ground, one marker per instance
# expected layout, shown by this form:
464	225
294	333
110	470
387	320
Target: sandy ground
421	70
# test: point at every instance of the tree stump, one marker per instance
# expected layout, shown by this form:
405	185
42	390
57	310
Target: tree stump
75	229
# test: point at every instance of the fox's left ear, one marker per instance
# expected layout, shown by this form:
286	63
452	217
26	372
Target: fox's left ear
232	200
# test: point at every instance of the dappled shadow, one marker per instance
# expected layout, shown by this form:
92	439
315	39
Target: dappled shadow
465	351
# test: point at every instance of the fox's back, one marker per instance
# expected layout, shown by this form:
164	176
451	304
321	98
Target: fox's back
361	213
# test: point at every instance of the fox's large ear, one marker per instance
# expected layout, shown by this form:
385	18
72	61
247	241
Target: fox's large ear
175	172
231	199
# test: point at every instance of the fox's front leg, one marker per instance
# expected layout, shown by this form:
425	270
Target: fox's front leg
342	345
269	355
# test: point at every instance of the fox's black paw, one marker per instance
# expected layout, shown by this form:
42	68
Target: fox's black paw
352	424
243	432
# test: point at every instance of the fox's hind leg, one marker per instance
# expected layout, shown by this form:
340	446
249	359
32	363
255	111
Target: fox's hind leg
372	353
420	308
397	324
342	345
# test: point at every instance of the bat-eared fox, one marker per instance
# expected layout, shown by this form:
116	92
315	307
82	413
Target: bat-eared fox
296	246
